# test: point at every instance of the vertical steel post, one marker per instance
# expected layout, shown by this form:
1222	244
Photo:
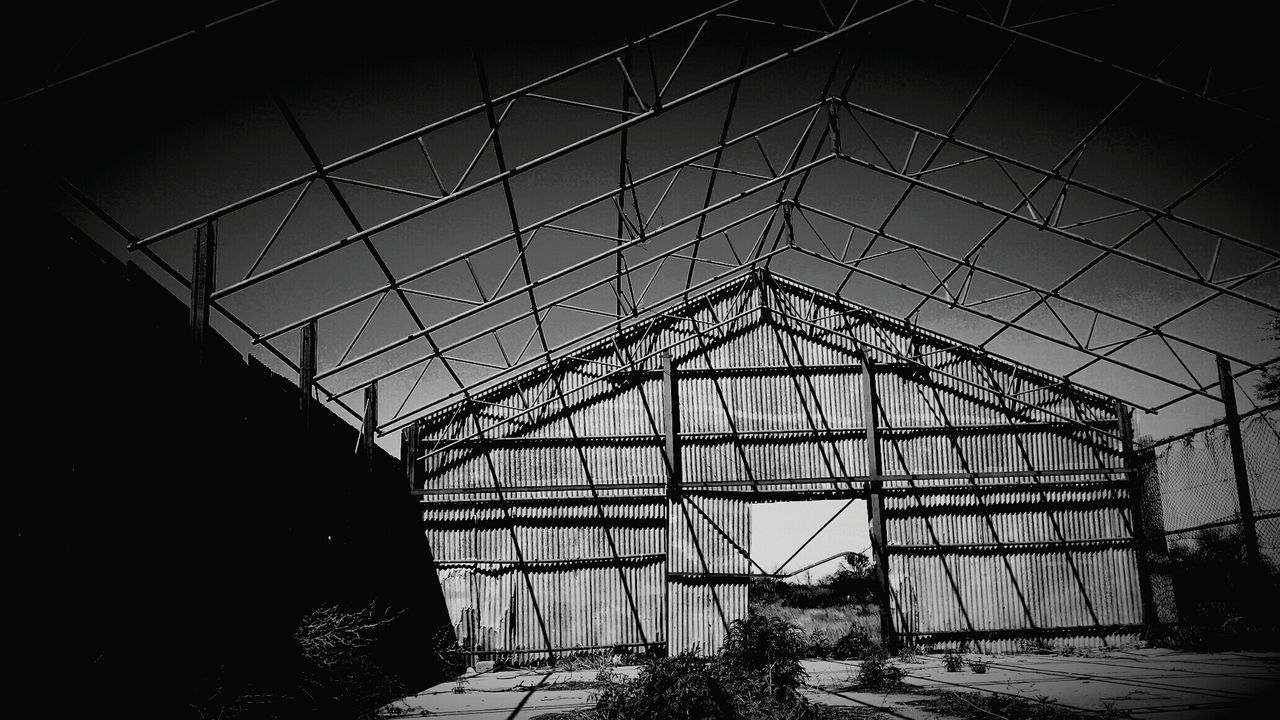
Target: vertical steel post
1138	521
622	193
671	416
875	501
203	273
307	371
368	430
409	440
1247	524
671	424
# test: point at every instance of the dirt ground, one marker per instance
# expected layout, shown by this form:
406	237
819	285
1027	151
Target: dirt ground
1139	683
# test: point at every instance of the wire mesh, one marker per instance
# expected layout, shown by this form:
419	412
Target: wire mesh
1200	579
1197	487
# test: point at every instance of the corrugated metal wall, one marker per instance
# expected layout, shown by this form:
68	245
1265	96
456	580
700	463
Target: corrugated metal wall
526	577
707	570
1006	510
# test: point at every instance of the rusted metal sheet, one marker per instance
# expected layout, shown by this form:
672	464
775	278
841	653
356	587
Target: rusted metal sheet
706	570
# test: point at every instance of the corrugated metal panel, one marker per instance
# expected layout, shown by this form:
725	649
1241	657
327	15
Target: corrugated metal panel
776	398
709	537
567	576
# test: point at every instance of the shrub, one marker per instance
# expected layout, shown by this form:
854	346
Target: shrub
820	645
768	650
877	672
952	662
450	654
978	666
685	686
336	646
756	676
1222	603
909	652
855	644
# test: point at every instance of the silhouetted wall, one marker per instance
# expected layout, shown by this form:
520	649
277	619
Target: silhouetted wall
171	528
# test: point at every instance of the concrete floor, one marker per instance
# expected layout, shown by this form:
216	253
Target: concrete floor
1147	684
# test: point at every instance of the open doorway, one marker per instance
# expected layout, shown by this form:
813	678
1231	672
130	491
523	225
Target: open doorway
812	566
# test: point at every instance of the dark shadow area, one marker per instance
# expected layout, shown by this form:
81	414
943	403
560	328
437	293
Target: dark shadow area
174	529
1222	604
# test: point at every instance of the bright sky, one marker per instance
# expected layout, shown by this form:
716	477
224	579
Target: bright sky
779	529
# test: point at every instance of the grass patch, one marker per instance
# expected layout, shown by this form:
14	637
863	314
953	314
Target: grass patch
833	622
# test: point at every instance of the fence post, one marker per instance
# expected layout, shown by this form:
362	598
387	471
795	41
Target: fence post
1138	521
1227	385
875	500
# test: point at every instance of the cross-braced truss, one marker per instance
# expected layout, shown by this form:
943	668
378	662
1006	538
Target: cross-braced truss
993	171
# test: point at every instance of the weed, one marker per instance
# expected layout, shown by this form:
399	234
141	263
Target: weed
909	652
978	666
460	686
757	675
1034	646
820	645
952	662
877	672
855	644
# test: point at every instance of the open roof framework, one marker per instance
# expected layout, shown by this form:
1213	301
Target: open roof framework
747	136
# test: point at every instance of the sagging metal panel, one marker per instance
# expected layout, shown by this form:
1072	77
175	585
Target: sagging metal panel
529	578
707	570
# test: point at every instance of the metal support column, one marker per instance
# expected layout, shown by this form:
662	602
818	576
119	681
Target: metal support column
409	449
368	431
671	426
307	372
1138	521
671	418
203	273
875	502
1247	523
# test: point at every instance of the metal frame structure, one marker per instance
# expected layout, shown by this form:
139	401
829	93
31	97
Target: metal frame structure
836	128
752	216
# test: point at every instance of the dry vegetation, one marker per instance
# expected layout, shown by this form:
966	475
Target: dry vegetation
832	622
838	607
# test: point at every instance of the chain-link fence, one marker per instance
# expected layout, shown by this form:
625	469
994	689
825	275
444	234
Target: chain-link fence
1203	581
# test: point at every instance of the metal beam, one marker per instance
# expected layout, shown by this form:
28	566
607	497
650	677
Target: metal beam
1046	292
410	449
306	372
671	425
368	429
204	254
875	501
1143	77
